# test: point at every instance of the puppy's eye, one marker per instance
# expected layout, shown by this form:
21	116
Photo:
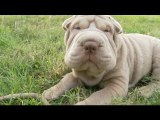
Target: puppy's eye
106	30
78	28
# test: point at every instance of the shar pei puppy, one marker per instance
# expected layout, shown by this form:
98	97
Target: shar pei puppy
99	53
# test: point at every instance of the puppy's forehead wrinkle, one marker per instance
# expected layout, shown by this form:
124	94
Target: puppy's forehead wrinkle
103	16
91	19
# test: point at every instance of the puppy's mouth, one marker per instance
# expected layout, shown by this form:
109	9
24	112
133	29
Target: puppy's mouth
92	60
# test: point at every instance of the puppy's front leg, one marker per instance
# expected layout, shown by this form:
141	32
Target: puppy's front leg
68	82
104	96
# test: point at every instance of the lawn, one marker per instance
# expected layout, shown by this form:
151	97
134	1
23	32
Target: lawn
32	58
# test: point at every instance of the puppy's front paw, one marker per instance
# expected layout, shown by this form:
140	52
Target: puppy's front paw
49	94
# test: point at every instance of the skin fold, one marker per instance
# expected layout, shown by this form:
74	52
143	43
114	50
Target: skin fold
99	53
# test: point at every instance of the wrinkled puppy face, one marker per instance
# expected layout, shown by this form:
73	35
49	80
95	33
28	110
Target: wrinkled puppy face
90	42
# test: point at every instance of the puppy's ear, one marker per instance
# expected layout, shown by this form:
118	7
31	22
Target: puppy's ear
65	26
118	27
67	22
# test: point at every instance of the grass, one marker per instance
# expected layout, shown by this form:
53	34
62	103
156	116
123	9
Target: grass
32	57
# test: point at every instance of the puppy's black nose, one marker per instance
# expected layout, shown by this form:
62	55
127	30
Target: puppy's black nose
90	46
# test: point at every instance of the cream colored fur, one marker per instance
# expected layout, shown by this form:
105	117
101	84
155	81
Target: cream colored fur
99	53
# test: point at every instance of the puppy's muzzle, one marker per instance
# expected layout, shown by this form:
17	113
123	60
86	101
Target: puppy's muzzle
90	41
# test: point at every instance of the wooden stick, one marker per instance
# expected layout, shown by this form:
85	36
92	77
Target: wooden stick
25	95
